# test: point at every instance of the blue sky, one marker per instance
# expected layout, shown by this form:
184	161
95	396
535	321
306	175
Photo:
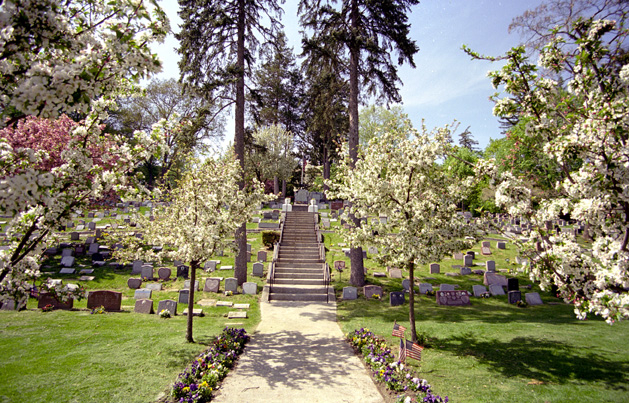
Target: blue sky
446	84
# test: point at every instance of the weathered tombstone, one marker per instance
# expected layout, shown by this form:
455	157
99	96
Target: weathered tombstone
261	256
143	293
169	305
91	226
137	267
372	250
396	298
435	268
154	286
424	288
493	278
501	245
486	244
143	306
496	289
67	261
406	284
147	272
258	270
134	283
514	296
446	287
513	284
250	288
349	293
490	265
74	236
110	300
371	290
182	271
465	271
533	298
468	260
210	265
472	253
457	256
453	298
478	290
212	284
177	263
163	273
67	252
231	284
395	273
46	298
186	285
183	296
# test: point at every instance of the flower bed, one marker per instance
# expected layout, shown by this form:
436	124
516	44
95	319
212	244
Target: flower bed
196	383
388	371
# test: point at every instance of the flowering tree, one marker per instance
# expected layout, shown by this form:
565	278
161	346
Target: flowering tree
400	178
584	129
55	58
204	211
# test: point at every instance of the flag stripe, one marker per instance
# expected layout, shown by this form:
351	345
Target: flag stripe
413	350
398	330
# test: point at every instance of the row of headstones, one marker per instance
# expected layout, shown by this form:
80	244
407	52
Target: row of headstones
211	284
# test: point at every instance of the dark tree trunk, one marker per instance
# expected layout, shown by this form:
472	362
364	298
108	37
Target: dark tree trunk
411	301
357	278
240	269
276	185
284	188
326	167
193	275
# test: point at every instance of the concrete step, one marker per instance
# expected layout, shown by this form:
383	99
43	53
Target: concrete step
299	297
299	289
301	263
288	270
299	276
299	281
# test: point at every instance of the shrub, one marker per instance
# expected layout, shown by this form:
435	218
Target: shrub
269	238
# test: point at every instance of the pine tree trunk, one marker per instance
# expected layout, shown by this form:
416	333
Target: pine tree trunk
284	189
193	275
357	277
240	269
276	185
326	167
411	301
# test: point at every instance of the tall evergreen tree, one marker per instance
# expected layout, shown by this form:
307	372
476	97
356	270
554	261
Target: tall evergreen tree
217	42
466	140
368	31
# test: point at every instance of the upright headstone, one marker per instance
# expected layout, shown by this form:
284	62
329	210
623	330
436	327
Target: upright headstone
212	284
533	298
490	265
435	268
496	289
110	300
446	287
486	244
182	271
349	293
143	306
164	273
464	271
493	278
167	304
147	272
424	288
258	269
67	261
371	290
261	256
372	250
143	293
137	267
501	245
396	298
453	298
74	236
395	273
210	265
513	284
478	290
231	284
154	286
514	296
134	283
468	260
183	296
250	288
406	284
186	285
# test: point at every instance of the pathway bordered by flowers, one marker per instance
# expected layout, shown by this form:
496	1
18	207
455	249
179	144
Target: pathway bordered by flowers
196	383
390	372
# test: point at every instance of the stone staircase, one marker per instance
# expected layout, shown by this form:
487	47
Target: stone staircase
299	273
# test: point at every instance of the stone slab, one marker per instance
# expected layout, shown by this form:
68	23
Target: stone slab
168	304
533	298
237	315
143	306
224	303
453	298
349	293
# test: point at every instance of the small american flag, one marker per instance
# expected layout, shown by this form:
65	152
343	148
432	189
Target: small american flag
402	351
413	350
398	330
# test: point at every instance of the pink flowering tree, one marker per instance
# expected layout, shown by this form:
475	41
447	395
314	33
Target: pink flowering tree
55	58
582	126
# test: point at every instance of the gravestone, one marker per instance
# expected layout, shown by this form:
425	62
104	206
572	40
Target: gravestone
67	261
395	273
490	265
195	312
250	288
183	296
435	268
147	272
513	284
258	270
471	253
261	256
137	267
514	296
91	226
110	300
237	315
406	284
446	287
80	227
496	289
486	244
372	250
478	290
468	260
349	293
163	273
169	305
493	278
485	251
212	284
224	303
66	270
453	298
134	283
143	306
143	293
177	263
465	271
231	284
339	264
46	298
371	290
74	236
396	298
457	256
182	271
533	298
501	245
210	265
226	268
186	285
424	288
154	286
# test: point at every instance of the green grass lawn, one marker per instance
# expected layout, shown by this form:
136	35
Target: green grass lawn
492	351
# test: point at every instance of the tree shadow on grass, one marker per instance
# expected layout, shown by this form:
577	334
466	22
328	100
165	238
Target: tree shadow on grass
540	359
